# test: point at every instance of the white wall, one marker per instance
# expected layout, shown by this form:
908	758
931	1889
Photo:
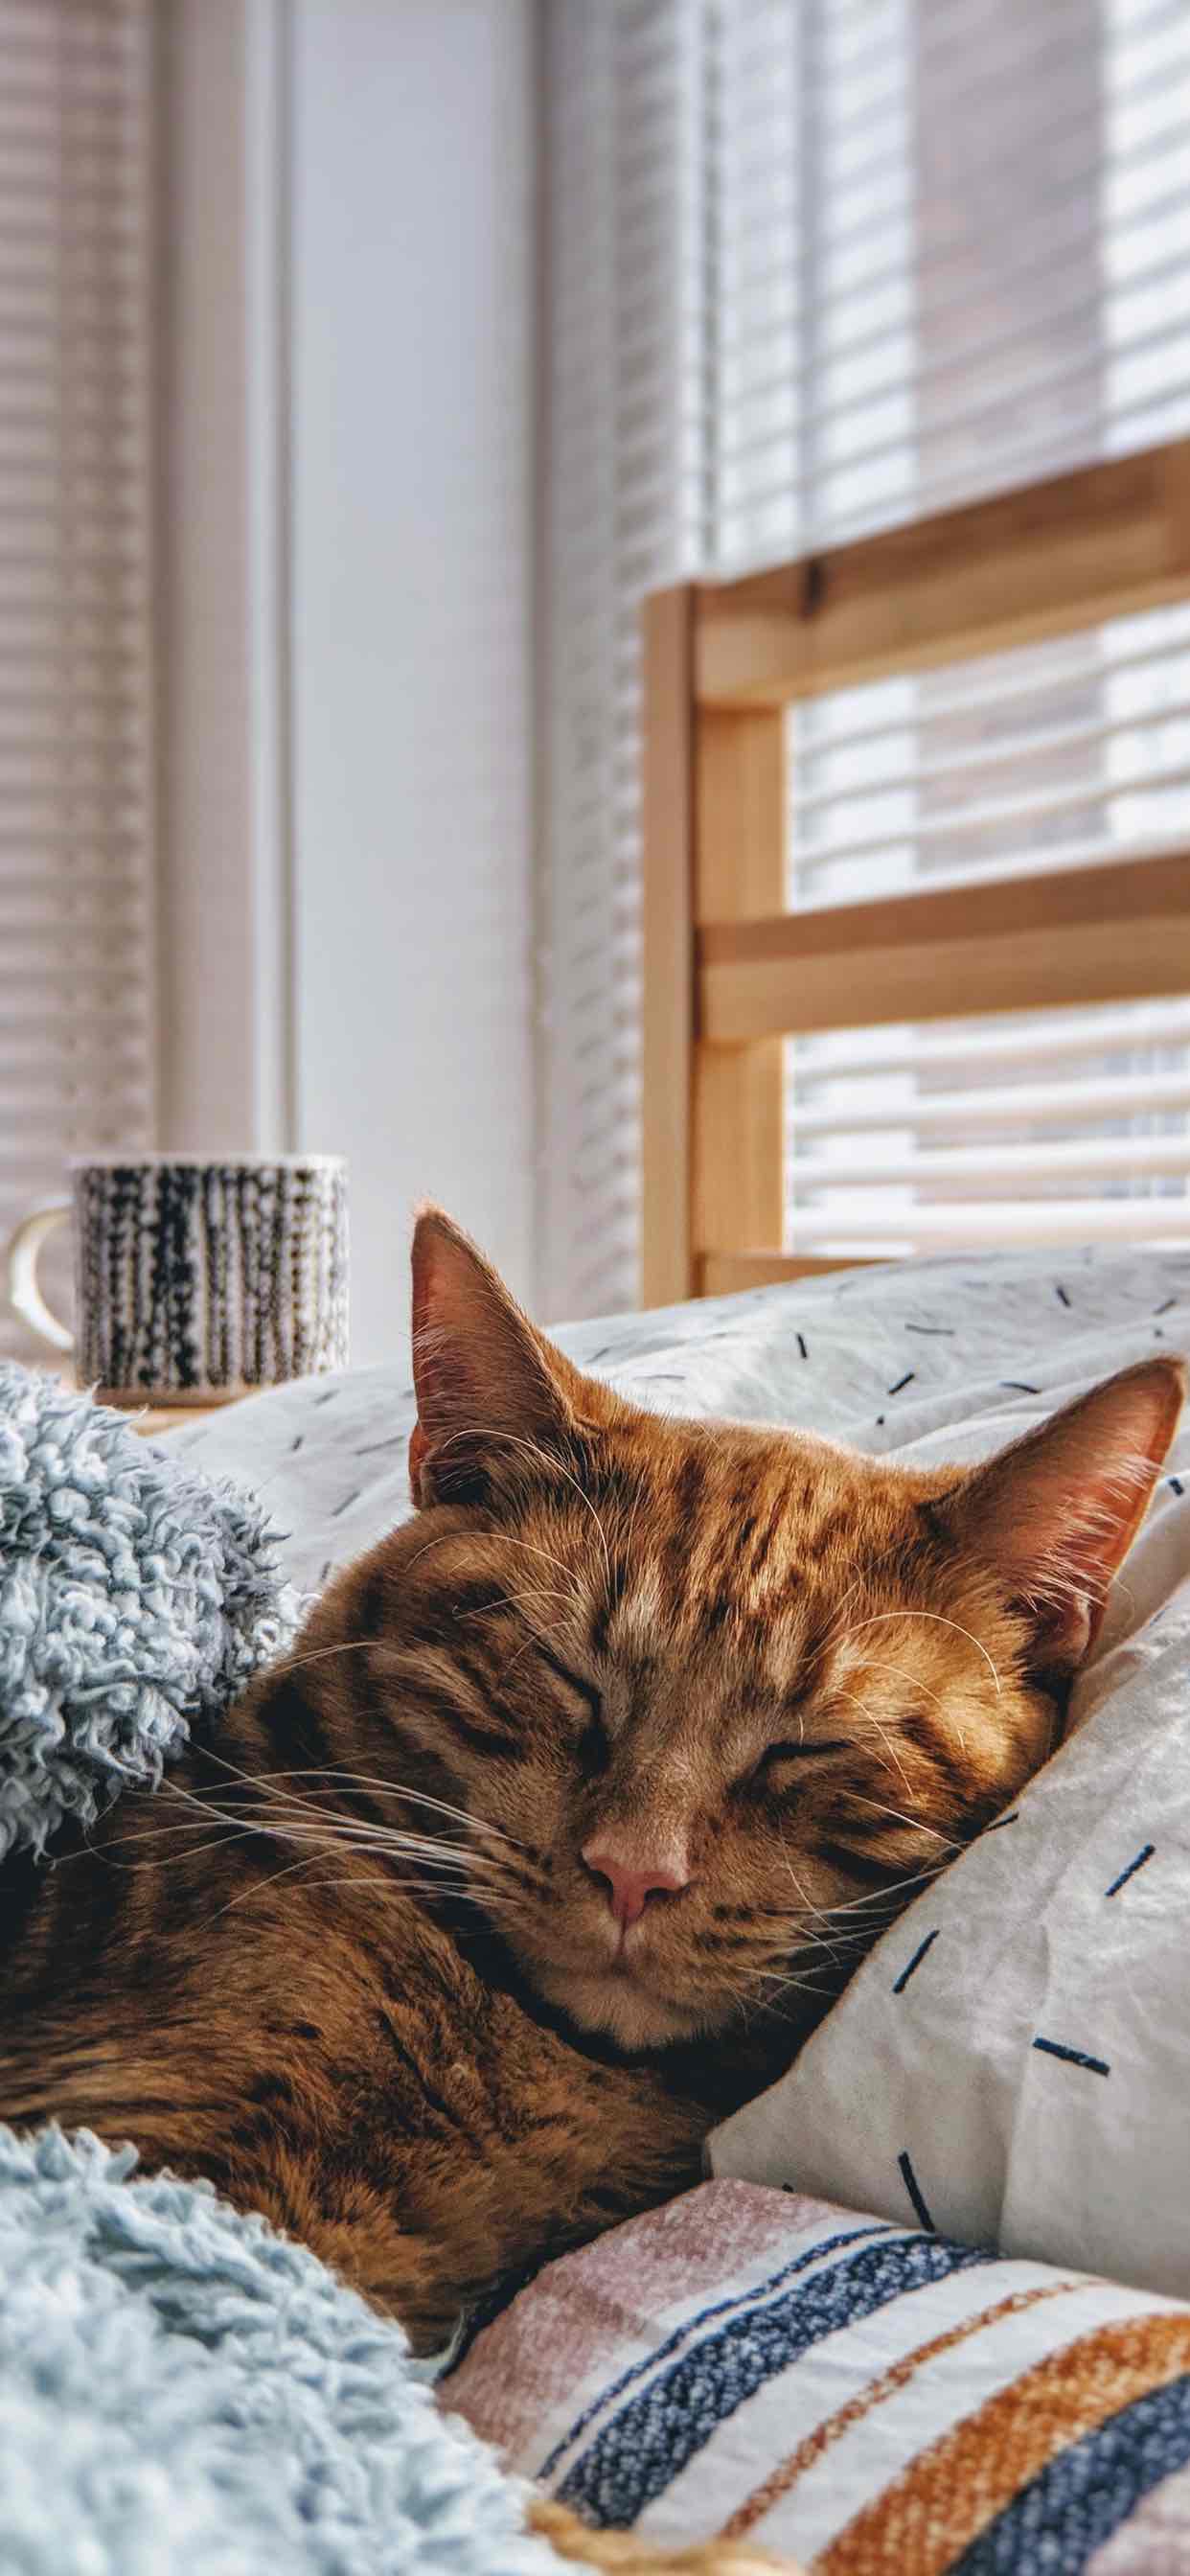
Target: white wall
221	611
410	719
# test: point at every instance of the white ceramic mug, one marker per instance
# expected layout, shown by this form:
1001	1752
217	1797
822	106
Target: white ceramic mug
195	1281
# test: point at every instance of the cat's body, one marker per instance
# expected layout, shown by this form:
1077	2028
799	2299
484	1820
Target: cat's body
633	1739
262	2002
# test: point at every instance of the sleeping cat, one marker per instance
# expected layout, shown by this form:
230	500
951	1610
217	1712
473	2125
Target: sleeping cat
575	1804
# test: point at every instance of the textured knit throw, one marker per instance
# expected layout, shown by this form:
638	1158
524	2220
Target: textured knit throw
183	2393
134	1595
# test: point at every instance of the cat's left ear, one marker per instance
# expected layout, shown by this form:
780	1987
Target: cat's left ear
492	1393
1055	1514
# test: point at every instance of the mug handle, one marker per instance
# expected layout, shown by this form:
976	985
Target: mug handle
24	1244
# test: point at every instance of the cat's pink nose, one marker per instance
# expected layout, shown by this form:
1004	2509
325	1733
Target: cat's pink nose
630	1883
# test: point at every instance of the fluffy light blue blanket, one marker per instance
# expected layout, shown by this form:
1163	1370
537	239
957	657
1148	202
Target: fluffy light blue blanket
134	1594
182	2392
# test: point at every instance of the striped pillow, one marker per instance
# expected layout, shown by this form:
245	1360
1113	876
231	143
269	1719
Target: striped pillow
869	2398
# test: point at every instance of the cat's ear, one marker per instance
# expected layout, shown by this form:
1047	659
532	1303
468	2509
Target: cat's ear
1056	1512
490	1389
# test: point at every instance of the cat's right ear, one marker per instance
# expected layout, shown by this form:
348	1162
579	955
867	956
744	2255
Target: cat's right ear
492	1394
1054	1514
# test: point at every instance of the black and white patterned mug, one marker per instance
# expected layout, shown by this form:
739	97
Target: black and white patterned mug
195	1281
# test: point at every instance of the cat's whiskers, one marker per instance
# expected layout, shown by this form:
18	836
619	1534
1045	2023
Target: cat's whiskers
272	1878
341	1833
329	1818
319	1654
105	1851
916	1824
882	1732
938	1698
243	1828
530	1547
553	1466
527	1648
513	1601
915	1680
784	1975
405	1888
238	1830
878	1618
331	1773
875	1897
769	1989
280	1811
353	1881
873	1566
843	1936
397	1885
441	1538
806	1902
789	1981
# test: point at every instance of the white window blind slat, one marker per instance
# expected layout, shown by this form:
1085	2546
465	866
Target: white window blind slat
1059	1104
1021	813
998	1050
77	1041
987	1170
1008	751
986	1225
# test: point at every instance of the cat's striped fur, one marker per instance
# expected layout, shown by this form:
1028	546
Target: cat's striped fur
351	1963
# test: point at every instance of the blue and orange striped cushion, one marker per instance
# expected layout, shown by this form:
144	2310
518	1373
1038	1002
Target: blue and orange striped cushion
871	2399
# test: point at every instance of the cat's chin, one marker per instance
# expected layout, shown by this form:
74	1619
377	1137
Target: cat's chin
618	2007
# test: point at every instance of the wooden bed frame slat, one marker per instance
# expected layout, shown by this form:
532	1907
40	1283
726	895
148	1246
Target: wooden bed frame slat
742	793
667	789
1111	933
742	803
1044	561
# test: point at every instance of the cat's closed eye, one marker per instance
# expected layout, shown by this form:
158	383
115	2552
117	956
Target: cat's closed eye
588	1692
593	1750
797	1749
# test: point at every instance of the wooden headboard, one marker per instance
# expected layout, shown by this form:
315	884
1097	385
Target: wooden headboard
728	971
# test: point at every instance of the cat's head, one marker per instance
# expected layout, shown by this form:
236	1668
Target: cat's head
716	1697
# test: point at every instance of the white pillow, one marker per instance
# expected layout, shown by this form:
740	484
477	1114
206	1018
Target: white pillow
947	1357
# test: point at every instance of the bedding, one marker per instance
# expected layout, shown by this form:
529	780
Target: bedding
868	2386
878	2400
185	2393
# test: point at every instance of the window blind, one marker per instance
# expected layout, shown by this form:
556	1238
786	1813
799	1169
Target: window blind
1060	1125
76	1040
816	266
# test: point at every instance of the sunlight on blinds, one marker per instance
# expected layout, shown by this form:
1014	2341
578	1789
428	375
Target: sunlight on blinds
817	266
1066	1126
75	760
1057	1124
